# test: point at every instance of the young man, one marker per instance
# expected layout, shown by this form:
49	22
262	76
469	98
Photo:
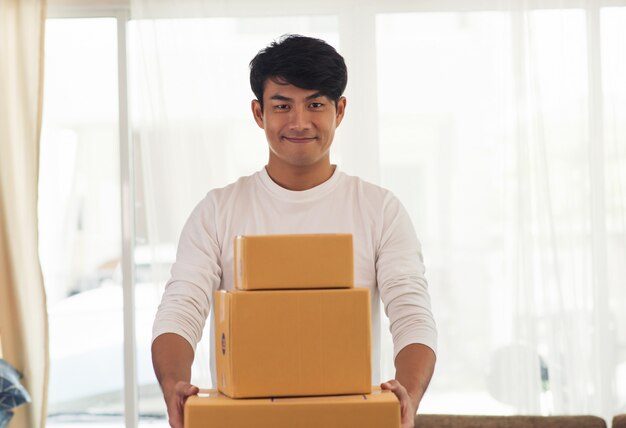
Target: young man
299	82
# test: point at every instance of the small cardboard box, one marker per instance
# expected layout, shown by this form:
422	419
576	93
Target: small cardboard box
380	409
286	343
266	262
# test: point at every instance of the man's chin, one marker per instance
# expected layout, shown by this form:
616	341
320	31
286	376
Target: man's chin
304	162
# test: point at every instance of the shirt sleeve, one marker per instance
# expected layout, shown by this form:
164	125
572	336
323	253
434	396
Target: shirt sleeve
197	272
401	281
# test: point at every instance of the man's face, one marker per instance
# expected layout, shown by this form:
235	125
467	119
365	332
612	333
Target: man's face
299	124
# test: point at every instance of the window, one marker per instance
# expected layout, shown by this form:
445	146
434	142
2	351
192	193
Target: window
79	218
500	130
200	133
487	125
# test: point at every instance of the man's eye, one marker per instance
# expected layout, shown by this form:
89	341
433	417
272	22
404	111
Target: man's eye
281	107
317	105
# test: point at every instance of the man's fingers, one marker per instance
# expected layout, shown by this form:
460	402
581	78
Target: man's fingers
395	386
176	403
176	422
175	416
192	390
185	389
405	401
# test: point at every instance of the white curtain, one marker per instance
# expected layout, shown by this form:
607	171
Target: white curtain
500	125
23	322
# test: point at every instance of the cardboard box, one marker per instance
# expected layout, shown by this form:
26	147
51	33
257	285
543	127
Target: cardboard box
265	262
380	409
293	342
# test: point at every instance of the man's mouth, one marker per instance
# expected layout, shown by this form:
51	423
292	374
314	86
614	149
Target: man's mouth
299	140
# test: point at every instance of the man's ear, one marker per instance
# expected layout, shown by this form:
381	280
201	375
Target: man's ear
257	112
341	110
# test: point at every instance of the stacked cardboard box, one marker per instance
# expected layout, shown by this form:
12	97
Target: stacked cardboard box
294	327
380	409
270	262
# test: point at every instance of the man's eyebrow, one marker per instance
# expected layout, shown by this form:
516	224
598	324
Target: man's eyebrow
279	97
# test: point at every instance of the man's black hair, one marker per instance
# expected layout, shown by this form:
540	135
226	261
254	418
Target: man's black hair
305	62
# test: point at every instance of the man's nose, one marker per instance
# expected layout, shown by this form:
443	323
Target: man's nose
300	119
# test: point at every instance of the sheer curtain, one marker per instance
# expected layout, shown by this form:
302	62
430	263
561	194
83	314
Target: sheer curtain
23	323
505	121
500	125
192	123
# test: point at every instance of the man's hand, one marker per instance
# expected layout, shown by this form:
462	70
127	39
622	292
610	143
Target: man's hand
172	357
415	364
407	408
175	402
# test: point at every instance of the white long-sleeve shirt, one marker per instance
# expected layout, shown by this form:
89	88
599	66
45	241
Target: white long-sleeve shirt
387	254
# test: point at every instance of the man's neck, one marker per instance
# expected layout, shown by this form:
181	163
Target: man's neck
301	178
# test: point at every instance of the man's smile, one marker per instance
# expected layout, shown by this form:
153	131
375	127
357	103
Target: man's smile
299	140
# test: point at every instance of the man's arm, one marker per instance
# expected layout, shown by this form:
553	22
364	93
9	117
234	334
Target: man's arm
415	365
172	357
